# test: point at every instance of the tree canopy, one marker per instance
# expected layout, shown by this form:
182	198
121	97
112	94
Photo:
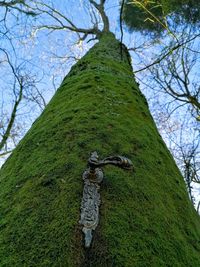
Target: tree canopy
154	16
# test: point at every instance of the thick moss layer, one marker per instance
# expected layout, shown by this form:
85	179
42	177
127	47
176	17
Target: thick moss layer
146	217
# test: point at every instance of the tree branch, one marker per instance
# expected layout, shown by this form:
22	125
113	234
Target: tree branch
121	28
64	22
157	61
101	10
14	5
17	102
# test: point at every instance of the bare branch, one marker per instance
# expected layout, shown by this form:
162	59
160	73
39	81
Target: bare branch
18	5
5	153
64	22
100	8
120	22
157	61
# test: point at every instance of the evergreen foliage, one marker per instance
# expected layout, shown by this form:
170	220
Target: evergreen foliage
146	218
151	16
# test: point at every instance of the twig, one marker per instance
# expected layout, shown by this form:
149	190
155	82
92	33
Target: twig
157	61
121	28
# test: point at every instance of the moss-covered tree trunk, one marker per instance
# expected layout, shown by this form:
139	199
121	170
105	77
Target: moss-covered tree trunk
146	218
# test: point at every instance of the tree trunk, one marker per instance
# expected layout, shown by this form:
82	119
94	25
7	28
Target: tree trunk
146	218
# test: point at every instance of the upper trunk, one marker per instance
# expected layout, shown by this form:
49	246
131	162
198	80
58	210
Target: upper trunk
146	218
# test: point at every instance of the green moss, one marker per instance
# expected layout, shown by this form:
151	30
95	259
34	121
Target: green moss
146	218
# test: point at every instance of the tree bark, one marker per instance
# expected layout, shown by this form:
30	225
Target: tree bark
146	218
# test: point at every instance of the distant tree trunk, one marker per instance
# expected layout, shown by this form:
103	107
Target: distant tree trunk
146	218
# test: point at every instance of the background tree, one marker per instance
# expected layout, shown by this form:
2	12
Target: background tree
157	16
